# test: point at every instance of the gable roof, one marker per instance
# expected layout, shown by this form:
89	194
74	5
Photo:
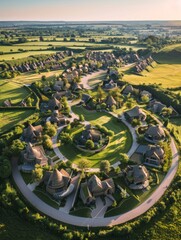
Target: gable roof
135	112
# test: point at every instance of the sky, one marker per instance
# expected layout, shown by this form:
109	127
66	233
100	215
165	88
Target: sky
89	10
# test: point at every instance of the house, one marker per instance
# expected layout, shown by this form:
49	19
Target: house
137	177
156	106
58	85
85	98
57	118
33	155
7	103
110	85
154	134
77	87
110	101
56	181
154	156
135	113
32	133
54	104
128	90
146	93
90	134
94	187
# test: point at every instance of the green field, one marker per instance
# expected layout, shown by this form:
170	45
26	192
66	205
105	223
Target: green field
175	123
13	56
169	75
15	48
10	118
12	90
119	143
170	54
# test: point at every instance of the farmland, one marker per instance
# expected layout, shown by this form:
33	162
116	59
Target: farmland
168	75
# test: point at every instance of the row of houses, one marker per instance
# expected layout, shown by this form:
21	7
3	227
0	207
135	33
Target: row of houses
143	64
52	60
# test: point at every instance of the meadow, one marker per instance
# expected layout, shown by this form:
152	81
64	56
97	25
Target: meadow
168	75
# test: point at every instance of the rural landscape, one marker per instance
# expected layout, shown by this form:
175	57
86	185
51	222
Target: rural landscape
90	130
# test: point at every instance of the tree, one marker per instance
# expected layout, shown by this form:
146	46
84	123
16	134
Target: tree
16	147
145	98
50	129
37	173
100	93
43	78
65	137
81	118
105	166
83	164
47	142
5	167
123	158
89	144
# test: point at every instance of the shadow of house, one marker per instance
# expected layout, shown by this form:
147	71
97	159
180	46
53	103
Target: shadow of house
154	134
94	187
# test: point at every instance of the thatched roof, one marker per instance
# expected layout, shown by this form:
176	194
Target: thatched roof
95	184
155	151
136	112
91	134
35	154
138	174
155	131
128	89
58	179
31	133
110	101
54	104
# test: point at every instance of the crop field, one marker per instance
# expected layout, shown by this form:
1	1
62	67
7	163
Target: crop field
10	118
169	75
119	143
13	91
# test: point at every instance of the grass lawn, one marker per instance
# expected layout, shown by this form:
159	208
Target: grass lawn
13	91
27	177
45	198
119	143
169	75
175	123
96	80
23	54
83	212
10	118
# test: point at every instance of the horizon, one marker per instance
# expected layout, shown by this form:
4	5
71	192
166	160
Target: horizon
84	10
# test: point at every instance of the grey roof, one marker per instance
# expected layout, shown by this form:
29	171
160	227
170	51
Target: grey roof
155	131
135	112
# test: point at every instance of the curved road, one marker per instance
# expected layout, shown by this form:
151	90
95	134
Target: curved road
97	222
60	215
